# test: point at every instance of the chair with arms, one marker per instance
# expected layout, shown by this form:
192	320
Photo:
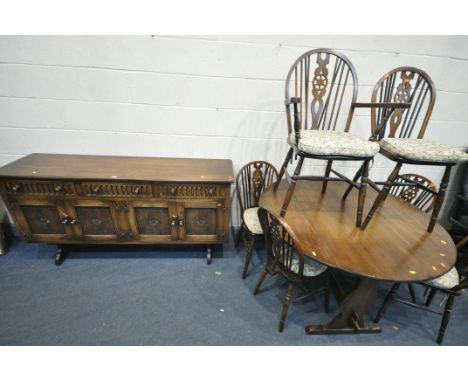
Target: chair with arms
284	257
320	84
450	284
251	181
400	132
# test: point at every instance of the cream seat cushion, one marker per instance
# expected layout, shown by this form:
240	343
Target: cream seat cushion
329	142
421	149
252	221
447	281
311	267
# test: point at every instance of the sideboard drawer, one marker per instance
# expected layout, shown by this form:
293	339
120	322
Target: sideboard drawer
32	187
189	191
117	189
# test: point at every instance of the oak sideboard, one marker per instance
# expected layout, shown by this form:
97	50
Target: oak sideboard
83	199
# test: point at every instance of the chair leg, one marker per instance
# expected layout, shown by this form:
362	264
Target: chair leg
289	193
284	311
362	192
327	292
327	174
431	297
355	179
283	169
445	319
260	281
382	194
439	198
412	292
248	255
239	236
462	242
387	301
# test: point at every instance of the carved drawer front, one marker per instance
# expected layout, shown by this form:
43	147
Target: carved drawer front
201	221
153	220
43	188
43	220
188	191
117	189
95	220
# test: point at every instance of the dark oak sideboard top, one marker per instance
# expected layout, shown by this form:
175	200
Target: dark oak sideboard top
58	166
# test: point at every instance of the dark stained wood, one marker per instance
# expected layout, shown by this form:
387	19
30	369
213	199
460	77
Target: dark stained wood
282	257
56	166
75	199
395	247
415	91
153	220
422	197
251	180
413	88
95	220
333	83
3	247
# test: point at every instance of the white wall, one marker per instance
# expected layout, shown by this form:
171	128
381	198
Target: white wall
197	96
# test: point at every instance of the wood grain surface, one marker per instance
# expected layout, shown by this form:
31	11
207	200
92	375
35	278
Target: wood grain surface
56	166
395	245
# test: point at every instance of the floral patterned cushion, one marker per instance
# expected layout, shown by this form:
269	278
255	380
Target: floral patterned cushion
311	267
447	281
329	142
252	221
421	149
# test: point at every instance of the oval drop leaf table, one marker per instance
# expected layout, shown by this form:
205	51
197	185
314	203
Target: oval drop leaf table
396	247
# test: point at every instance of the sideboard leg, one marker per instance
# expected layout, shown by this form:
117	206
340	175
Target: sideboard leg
3	248
208	255
61	254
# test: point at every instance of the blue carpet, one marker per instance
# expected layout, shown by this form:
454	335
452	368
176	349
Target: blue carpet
170	296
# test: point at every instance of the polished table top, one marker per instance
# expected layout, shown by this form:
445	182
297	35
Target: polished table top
395	246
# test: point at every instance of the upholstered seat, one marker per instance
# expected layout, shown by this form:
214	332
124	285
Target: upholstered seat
422	150
329	142
251	220
311	267
447	281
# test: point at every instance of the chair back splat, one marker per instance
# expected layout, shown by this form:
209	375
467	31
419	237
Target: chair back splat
415	189
325	82
252	180
403	85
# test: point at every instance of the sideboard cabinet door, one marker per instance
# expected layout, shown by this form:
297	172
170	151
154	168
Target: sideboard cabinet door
41	220
97	220
201	221
154	220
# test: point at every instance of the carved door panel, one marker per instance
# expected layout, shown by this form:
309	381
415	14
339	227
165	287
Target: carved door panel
154	221
97	220
201	220
42	220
